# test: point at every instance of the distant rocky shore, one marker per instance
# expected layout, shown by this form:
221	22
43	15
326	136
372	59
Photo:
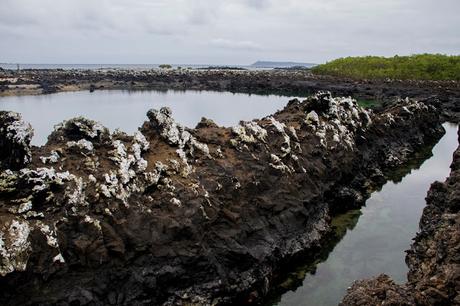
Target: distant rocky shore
177	216
279	81
434	257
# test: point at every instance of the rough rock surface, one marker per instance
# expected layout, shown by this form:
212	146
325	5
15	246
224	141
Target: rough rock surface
191	216
434	257
15	137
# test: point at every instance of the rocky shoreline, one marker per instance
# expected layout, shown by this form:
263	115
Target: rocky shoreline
280	82
434	257
202	216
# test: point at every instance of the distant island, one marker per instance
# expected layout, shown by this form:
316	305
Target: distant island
269	64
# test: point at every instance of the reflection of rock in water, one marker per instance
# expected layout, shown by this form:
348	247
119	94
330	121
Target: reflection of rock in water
341	223
189	216
295	273
433	260
397	175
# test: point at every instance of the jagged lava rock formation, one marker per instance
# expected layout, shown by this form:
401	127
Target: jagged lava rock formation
178	216
15	137
434	257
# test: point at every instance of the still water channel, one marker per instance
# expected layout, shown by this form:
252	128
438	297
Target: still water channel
371	240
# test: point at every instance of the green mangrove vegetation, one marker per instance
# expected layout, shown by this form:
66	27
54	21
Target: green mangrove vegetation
413	67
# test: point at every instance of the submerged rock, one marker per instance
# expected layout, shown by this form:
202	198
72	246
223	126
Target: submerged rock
191	216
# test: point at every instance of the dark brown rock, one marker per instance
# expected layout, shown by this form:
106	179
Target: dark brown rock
179	216
15	137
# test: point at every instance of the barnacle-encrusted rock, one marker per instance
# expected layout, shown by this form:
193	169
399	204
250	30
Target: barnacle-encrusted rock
14	245
201	216
174	134
15	137
249	132
52	159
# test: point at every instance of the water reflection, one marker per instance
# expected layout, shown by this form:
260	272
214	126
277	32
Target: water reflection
371	240
126	109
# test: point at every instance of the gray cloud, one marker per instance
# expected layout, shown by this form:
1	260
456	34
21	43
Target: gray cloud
258	4
222	32
235	44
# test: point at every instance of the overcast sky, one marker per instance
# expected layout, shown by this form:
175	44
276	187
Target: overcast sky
223	32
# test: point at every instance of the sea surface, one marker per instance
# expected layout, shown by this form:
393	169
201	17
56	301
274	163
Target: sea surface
127	110
372	240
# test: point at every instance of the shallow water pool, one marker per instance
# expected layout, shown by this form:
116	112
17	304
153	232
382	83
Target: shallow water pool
127	109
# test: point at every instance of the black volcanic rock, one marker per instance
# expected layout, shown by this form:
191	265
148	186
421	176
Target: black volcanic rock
15	137
206	123
177	216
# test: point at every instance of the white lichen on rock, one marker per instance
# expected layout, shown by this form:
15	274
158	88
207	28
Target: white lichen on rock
24	207
277	163
240	131
248	132
281	128
127	178
76	196
92	178
168	128
176	135
42	178
50	234
124	162
14	246
121	183
19	134
176	202
312	118
336	122
52	159
111	188
18	130
219	152
59	258
95	222
82	144
139	138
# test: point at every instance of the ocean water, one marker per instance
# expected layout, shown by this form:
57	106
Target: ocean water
14	66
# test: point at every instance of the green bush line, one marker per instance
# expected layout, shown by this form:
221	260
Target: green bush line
414	67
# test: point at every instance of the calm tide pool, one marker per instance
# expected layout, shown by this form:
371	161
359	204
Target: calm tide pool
127	110
375	237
